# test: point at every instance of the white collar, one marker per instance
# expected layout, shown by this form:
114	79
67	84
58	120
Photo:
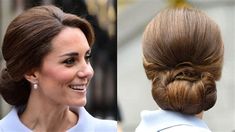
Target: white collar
161	119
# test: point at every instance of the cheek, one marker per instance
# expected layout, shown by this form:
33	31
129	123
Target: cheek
60	75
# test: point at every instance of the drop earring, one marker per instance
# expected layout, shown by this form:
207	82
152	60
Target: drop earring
35	86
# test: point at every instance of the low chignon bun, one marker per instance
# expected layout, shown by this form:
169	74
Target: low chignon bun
185	90
13	92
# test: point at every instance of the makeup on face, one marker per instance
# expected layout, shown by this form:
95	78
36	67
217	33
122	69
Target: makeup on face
66	70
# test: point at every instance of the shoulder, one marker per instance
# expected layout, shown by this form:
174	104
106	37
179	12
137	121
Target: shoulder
5	122
105	125
11	122
89	123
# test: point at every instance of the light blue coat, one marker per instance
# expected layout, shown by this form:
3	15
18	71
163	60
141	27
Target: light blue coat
169	121
86	123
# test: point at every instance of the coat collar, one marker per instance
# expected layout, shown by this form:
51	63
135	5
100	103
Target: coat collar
12	122
161	119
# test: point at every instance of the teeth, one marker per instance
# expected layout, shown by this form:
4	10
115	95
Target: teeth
78	87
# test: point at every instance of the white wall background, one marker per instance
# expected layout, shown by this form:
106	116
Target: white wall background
134	90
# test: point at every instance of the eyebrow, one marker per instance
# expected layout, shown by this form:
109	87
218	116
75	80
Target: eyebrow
74	53
70	54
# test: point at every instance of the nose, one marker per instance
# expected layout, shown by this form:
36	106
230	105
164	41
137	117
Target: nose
85	70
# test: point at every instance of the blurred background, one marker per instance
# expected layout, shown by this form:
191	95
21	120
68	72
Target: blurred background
134	90
102	94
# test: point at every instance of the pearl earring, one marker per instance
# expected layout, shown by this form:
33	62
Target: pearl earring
35	86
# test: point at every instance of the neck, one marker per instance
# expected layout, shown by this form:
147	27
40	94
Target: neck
42	114
199	115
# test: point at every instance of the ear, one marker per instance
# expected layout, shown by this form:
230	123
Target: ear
32	76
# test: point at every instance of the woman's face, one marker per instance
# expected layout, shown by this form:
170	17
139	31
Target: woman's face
66	71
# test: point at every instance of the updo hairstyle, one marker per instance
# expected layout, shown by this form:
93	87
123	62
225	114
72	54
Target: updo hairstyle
183	57
27	41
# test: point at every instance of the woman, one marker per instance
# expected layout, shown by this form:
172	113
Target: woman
47	73
183	57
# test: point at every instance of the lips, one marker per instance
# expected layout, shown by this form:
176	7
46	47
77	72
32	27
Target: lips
78	87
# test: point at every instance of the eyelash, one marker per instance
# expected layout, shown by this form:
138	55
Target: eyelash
70	61
88	57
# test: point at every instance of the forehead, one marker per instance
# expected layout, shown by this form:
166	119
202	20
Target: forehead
70	39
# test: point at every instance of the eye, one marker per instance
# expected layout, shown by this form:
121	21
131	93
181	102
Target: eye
69	61
88	57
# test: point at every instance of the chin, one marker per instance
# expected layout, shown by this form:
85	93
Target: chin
78	103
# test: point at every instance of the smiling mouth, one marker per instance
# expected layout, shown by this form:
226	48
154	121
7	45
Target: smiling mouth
80	87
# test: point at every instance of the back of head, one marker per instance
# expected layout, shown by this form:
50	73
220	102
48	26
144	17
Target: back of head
183	56
27	41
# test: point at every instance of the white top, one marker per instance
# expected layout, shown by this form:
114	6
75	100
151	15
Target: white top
169	121
86	123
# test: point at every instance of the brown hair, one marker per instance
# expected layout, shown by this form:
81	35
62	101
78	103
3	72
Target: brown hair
27	41
183	56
